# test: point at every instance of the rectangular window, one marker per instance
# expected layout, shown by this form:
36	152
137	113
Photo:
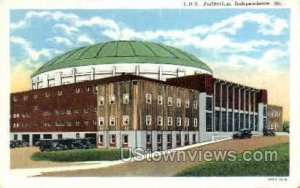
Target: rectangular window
208	122
170	101
112	121
77	90
236	121
125	139
112	100
149	139
77	122
101	100
159	100
75	111
15	98
160	120
194	138
88	88
195	122
265	111
230	121
59	136
77	135
101	121
35	96
86	122
59	93
86	110
178	139
170	121
178	102
69	112
187	103
159	138
125	98
169	138
95	89
186	122
69	123
47	94
112	139
224	117
126	120
148	120
25	97
148	98
195	104
217	120
179	121
100	139
209	103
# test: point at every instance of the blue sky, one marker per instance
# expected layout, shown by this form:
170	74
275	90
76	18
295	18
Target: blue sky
238	44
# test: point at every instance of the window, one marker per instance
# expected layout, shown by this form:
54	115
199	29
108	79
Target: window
95	109
112	121
25	97
47	94
187	103
77	90
149	139
77	135
208	122
59	93
159	120
95	89
112	139
148	120
100	139
86	110
125	120
125	139
178	102
15	98
208	103
101	121
186	122
88	88
148	98
69	112
47	124
159	138
86	122
77	122
178	121
169	138
35	96
170	101
170	121
112	100
75	111
59	136
101	100
125	98
159	100
69	123
195	104
195	122
94	122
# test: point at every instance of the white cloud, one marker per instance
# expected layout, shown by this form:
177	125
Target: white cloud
85	39
61	40
67	29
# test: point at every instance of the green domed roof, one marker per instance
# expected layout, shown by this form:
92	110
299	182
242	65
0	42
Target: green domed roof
122	52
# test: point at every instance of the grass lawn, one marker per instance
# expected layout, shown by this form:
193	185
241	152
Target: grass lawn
244	168
93	154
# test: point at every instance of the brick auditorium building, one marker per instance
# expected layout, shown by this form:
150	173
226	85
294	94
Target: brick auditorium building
133	94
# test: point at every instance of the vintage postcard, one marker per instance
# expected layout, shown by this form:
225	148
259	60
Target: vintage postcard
189	90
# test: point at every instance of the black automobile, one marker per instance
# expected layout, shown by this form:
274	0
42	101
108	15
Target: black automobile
21	143
52	145
12	144
81	143
243	133
268	132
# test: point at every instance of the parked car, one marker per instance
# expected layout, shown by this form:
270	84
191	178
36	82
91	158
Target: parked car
21	143
243	133
81	143
268	132
52	145
12	144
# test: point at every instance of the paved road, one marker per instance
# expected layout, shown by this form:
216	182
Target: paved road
170	168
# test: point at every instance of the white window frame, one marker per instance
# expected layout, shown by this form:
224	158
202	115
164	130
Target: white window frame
112	99
186	103
195	104
47	94
77	123
178	102
170	101
178	122
112	119
15	99
160	119
148	119
59	92
123	139
170	121
111	138
195	122
101	101
77	90
125	117
148	97
187	122
25	97
100	140
159	99
101	121
125	98
69	123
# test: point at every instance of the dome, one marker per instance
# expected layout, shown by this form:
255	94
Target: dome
117	52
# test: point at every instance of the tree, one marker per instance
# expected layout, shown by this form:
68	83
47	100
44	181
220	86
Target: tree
286	126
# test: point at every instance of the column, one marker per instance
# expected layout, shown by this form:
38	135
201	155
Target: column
239	110
227	98
137	70
202	116
160	71
254	108
213	108
92	73
58	78
113	71
233	107
74	71
221	103
45	81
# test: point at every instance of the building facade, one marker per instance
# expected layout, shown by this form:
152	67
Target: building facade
134	108
275	118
